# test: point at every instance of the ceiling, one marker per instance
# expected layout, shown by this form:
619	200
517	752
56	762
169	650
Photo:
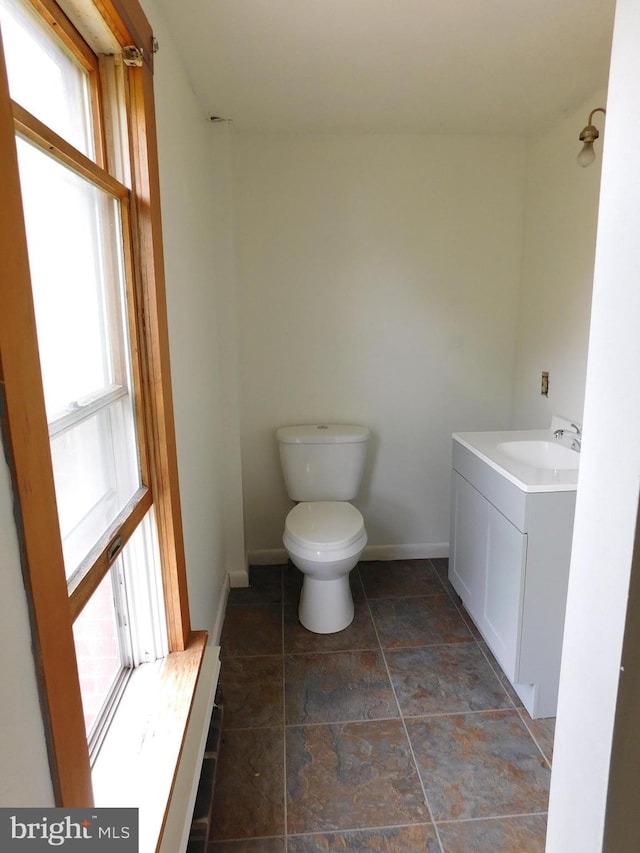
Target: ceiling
411	66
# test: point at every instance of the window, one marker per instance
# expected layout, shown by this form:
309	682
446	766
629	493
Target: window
85	366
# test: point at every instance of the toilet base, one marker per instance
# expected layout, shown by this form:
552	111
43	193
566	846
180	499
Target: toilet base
326	606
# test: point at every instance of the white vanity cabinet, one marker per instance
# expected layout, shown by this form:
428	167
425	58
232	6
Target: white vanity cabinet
509	562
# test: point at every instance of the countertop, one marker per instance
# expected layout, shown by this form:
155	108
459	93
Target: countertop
525	477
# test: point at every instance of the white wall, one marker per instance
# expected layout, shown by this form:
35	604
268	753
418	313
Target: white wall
379	282
195	197
557	270
607	503
227	323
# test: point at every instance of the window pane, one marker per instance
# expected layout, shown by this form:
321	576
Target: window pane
122	626
96	473
44	78
95	632
75	258
144	595
74	237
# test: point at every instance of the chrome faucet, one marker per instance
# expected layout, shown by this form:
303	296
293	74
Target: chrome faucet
574	434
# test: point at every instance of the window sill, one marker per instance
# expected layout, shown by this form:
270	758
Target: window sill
138	763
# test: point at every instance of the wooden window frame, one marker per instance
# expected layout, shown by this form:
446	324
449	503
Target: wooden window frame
24	420
53	15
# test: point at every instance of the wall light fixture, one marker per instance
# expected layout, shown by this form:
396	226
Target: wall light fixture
589	135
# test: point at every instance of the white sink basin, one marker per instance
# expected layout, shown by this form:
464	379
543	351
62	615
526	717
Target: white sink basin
541	454
531	459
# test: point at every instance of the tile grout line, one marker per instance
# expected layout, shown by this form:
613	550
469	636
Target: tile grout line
496	673
533	737
496	817
404	726
377	828
356	829
477	712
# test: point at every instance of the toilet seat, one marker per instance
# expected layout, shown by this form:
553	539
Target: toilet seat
325	540
324	526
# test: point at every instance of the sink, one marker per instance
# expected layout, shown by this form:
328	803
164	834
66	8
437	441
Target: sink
541	454
532	459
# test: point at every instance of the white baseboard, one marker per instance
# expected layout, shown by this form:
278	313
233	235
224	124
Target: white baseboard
267	557
239	578
418	551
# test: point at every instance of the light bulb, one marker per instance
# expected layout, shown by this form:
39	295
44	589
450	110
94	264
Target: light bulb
587	155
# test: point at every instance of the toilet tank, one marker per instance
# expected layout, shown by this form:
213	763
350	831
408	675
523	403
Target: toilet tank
322	462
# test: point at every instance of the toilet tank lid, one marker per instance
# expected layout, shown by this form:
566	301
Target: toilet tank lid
322	434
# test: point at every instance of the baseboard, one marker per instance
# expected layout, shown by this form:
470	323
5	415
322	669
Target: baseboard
238	578
418	551
267	557
239	575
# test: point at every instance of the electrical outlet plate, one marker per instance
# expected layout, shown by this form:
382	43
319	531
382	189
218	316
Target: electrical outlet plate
544	383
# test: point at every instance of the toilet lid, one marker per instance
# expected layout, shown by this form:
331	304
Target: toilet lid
325	525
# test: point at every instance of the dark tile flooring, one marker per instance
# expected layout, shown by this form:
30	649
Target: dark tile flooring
399	734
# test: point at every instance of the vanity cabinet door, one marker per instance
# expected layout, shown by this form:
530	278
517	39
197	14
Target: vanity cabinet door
487	569
469	521
505	562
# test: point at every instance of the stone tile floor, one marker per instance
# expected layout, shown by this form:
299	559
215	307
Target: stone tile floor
399	734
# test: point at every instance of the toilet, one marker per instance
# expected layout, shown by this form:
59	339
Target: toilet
324	534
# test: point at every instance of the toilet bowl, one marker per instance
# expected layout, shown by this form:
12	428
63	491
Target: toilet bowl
325	540
324	534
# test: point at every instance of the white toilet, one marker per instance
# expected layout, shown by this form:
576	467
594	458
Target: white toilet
324	534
